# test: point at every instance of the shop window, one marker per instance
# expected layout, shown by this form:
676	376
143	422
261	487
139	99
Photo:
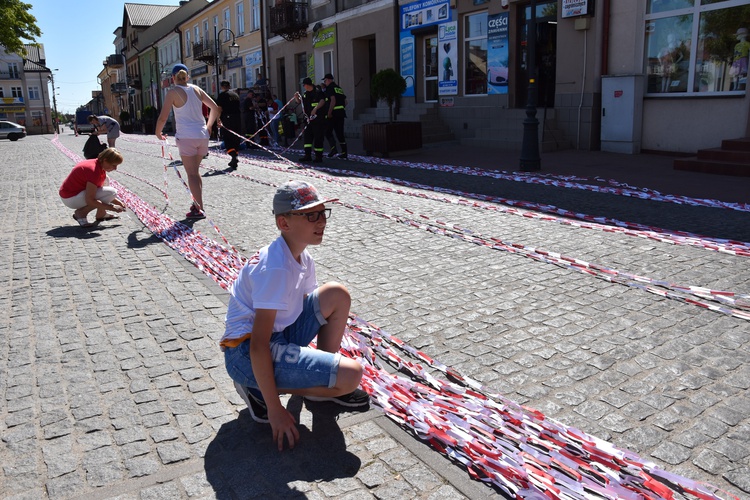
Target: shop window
475	54
697	46
36	118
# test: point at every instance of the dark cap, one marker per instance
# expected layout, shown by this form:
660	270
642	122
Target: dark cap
297	195
307	81
224	83
178	67
328	77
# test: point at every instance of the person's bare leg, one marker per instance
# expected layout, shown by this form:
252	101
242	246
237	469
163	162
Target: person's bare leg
195	182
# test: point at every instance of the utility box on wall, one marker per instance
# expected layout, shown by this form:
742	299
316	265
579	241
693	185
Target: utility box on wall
622	114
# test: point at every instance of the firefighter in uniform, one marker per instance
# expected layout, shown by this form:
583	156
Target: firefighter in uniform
336	116
315	106
230	119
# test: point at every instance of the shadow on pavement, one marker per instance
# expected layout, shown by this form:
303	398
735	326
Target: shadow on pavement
243	461
136	241
82	233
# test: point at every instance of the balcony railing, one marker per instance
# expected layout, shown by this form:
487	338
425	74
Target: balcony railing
204	51
289	19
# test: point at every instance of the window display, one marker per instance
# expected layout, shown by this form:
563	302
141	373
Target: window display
475	55
697	46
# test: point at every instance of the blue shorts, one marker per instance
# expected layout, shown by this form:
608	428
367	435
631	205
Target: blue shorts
295	364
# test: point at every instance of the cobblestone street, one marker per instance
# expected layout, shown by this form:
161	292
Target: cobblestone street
113	385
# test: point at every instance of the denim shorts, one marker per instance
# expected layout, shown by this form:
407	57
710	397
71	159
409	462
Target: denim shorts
295	364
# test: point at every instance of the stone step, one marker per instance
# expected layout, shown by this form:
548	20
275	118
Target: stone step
693	164
741	144
723	154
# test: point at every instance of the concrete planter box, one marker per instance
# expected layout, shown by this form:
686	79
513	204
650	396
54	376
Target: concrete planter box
384	139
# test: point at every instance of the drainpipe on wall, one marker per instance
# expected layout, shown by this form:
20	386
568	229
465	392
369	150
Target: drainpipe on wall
264	50
605	38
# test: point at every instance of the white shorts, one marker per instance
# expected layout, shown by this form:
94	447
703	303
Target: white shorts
192	147
105	194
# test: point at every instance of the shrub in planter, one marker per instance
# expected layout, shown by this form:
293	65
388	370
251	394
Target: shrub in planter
385	138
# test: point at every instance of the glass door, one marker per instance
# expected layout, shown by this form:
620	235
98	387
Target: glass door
430	69
546	55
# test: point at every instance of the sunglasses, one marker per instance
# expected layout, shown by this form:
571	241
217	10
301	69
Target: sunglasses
314	216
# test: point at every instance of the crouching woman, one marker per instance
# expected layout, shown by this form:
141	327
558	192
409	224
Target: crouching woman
87	188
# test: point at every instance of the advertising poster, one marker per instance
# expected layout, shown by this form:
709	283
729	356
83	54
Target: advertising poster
448	58
412	16
497	53
406	57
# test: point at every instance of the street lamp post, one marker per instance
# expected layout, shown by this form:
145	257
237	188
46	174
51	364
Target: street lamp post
530	160
234	50
54	100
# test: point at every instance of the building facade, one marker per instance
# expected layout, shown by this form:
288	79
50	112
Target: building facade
24	90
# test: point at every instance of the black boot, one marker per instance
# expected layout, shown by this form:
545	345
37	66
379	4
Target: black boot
308	155
318	157
332	152
233	161
343	151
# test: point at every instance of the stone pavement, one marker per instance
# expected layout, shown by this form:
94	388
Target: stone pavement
113	386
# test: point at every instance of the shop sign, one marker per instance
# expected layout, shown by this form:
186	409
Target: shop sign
200	70
406	56
424	13
446	102
234	63
12	100
324	37
254	58
10	109
575	8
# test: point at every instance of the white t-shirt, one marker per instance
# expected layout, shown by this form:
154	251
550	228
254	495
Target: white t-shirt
276	281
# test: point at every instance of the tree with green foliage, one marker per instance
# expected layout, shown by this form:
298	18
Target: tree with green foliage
387	85
17	25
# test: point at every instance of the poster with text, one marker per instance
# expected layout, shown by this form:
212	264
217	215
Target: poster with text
497	53
406	57
448	58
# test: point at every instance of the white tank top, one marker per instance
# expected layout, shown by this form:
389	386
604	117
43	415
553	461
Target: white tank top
189	117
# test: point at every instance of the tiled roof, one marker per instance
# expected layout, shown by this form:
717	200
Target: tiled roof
146	15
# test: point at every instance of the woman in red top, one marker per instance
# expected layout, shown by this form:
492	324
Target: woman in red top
86	188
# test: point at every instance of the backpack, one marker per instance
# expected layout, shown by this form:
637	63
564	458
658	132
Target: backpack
93	147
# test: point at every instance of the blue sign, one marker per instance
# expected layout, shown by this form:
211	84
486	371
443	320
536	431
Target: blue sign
497	53
424	13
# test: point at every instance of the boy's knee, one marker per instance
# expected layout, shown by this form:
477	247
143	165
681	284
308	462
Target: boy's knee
336	294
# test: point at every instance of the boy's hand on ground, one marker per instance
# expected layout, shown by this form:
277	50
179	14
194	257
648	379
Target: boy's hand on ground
283	424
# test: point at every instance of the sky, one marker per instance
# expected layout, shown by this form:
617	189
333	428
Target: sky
77	36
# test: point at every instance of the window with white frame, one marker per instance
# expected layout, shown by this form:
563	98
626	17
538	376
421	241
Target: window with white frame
13	70
227	24
697	46
16	92
34	93
240	18
475	54
206	34
188	45
255	12
2	92
197	33
328	62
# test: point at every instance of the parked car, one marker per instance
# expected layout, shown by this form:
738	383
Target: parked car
12	131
